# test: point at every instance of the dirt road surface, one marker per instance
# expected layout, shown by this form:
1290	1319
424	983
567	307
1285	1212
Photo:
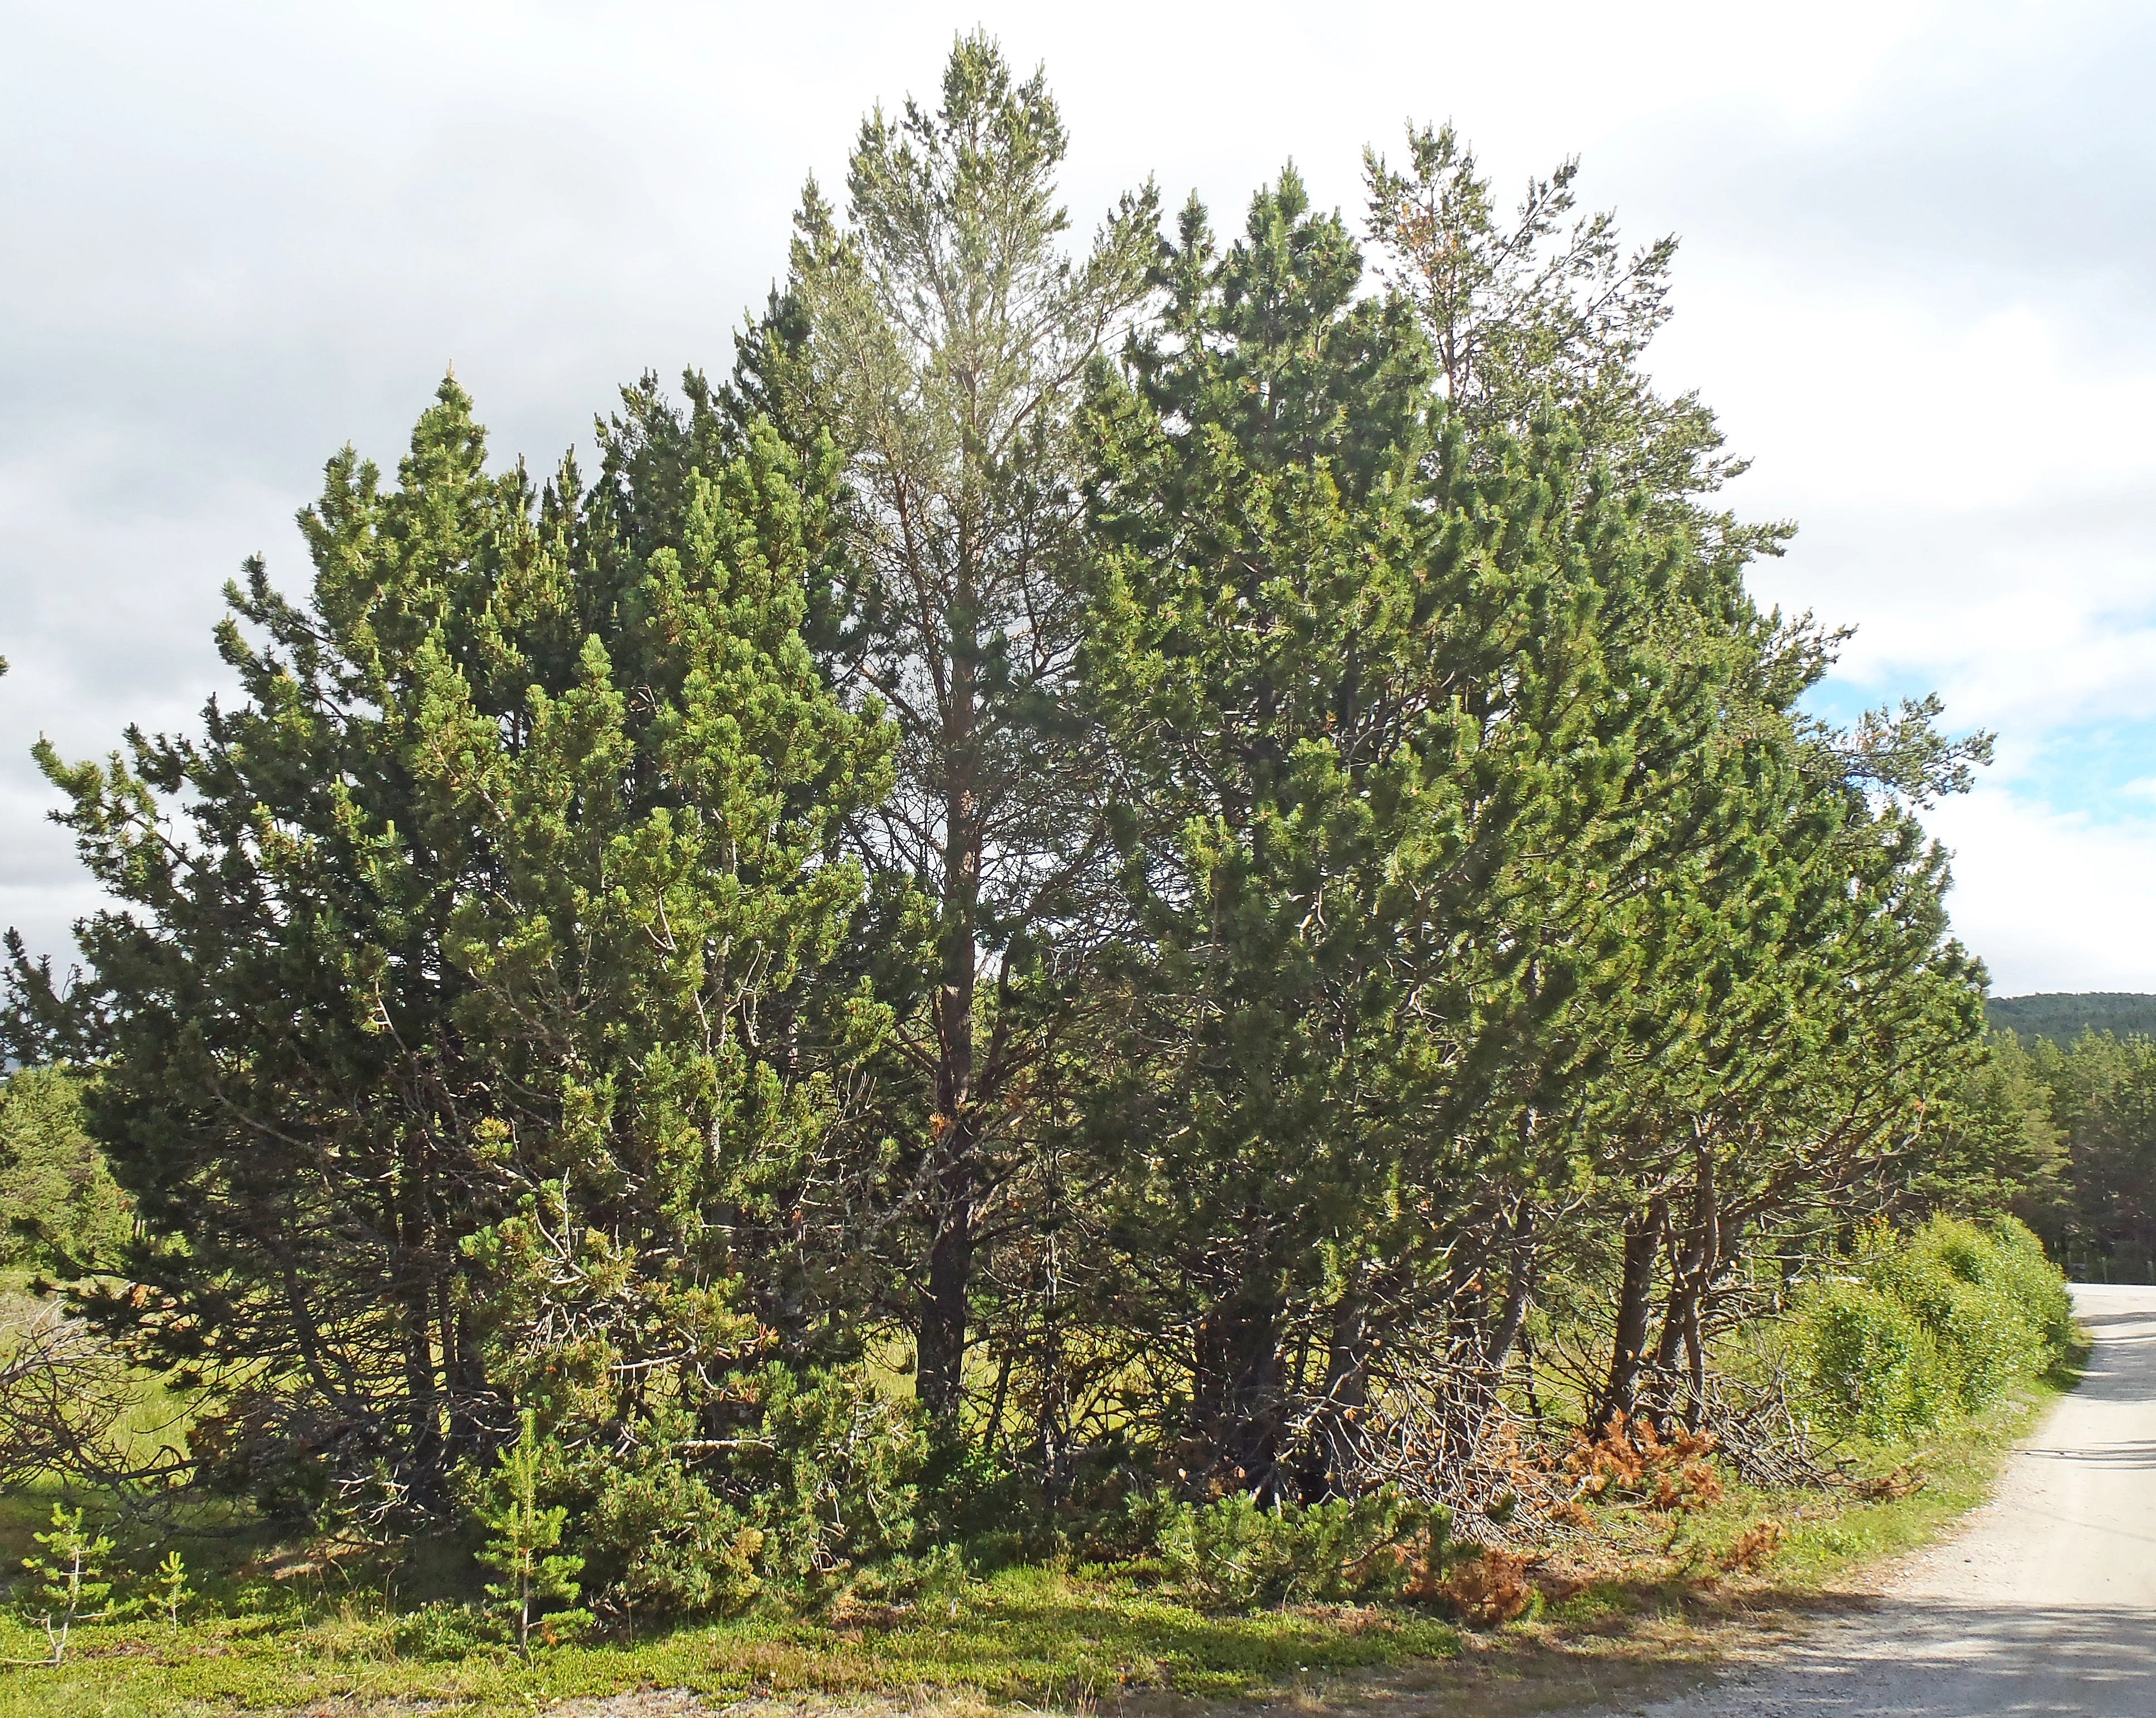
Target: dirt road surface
2044	1603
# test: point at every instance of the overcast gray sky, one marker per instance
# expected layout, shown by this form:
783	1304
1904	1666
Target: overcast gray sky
1916	280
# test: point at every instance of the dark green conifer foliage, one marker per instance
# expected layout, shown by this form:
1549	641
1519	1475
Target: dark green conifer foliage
2103	1100
1389	716
463	1004
1998	1150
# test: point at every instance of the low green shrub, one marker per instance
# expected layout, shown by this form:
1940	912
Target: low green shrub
2008	1257
1945	1319
1238	1553
1981	1341
1872	1368
816	1483
443	1632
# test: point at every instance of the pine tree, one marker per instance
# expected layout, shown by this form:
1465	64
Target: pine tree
525	1548
1736	896
69	1585
170	1591
1389	716
1548	308
464	1000
940	336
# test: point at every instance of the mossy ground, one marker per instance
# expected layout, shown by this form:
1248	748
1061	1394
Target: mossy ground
1642	1601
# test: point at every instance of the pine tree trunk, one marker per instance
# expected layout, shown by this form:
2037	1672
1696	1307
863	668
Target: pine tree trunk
1347	1395
940	1379
415	1291
1235	1393
1643	1240
1679	1336
1708	1225
1517	1292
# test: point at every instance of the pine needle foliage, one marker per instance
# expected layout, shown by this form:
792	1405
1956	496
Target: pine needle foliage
68	1582
169	1591
466	1018
1161	865
539	1586
938	334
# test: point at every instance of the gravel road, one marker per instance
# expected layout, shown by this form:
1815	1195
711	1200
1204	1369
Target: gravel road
2044	1603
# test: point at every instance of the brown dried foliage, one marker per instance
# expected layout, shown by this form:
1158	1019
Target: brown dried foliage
1755	1547
1488	1590
1630	1459
1903	1482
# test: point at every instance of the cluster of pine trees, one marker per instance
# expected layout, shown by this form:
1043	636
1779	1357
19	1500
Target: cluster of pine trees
2065	1128
1178	847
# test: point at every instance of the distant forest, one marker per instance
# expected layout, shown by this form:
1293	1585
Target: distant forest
2063	1017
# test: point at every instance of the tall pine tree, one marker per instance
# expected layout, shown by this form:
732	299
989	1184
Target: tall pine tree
1391	713
940	335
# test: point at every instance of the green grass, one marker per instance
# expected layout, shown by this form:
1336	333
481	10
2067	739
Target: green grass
1024	1635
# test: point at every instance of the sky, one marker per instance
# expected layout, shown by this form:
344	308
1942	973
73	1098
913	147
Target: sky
1917	279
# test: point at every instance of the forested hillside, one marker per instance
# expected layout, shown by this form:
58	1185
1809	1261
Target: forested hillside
2079	1117
1125	895
2077	1084
2064	1016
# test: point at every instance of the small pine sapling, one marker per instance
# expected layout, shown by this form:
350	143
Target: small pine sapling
68	1583
168	1586
524	1549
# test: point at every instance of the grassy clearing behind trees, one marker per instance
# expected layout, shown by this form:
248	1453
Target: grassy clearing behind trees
1192	849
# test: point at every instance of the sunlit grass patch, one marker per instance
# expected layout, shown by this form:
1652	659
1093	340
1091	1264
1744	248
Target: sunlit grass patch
1020	1636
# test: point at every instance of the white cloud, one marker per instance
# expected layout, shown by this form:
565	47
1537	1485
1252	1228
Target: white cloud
2052	900
1914	282
1884	399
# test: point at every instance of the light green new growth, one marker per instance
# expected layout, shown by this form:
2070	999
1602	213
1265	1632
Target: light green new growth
169	1589
524	1549
67	1579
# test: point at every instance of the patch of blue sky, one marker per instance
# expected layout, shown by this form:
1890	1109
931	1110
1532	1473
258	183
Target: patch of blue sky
1841	701
2102	770
2105	771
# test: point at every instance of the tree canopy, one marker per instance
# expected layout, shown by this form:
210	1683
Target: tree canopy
1120	869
